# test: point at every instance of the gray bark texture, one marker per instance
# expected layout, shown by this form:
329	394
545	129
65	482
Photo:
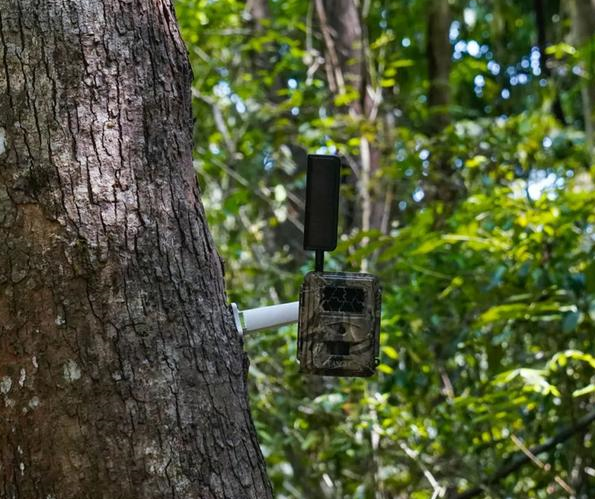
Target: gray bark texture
121	375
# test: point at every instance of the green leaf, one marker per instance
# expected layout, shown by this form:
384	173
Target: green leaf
402	63
382	40
561	358
428	246
390	352
383	368
560	50
584	391
533	379
476	161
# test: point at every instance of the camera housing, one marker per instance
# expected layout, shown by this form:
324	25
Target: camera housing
339	324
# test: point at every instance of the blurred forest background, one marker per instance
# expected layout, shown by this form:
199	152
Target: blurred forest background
466	128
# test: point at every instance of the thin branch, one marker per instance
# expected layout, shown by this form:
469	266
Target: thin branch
261	192
219	121
438	490
520	459
540	464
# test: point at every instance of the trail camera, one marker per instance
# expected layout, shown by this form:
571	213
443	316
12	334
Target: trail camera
339	313
339	324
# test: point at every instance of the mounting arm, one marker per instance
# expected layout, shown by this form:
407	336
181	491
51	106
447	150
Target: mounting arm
255	319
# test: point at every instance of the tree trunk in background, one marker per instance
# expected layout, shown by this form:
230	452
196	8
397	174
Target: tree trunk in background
259	12
121	375
541	16
443	183
583	30
263	60
439	62
346	50
290	232
346	62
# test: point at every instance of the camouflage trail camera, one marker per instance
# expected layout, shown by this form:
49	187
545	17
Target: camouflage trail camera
339	324
339	313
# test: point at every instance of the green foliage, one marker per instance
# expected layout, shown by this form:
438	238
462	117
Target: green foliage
489	298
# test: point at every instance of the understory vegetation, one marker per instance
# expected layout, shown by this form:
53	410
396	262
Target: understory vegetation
466	132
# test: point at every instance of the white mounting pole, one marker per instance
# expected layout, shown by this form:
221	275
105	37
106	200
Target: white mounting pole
274	316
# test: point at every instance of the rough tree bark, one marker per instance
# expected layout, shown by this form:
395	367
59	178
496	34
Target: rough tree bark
121	375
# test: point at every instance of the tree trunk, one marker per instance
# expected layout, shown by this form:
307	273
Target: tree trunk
346	62
583	30
444	183
540	10
121	375
439	56
342	30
